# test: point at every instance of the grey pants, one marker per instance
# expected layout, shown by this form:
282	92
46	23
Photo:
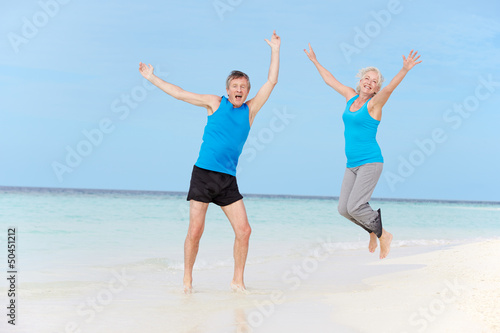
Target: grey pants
357	188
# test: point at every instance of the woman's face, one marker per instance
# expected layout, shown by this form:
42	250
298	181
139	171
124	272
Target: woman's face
369	83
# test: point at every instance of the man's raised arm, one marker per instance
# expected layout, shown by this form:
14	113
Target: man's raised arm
210	102
256	103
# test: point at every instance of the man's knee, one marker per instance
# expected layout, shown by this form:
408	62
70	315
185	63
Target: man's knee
195	233
243	232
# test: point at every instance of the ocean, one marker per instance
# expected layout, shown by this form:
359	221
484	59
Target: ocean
95	260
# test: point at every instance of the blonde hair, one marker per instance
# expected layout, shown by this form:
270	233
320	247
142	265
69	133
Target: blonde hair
362	72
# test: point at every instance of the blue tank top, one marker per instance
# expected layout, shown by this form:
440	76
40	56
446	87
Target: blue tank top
223	139
360	133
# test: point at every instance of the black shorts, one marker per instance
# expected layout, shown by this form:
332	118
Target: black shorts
212	186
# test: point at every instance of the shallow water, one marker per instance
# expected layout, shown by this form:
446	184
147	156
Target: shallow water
100	261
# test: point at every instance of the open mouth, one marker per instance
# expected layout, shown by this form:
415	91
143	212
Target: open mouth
238	97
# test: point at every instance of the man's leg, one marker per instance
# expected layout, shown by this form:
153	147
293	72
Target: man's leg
237	216
197	213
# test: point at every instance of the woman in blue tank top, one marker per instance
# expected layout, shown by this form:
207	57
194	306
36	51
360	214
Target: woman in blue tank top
361	118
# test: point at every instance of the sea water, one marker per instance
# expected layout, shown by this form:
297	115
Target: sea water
83	246
103	227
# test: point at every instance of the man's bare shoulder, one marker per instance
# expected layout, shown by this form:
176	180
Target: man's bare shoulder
213	103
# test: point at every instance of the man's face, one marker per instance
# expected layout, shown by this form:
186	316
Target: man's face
237	92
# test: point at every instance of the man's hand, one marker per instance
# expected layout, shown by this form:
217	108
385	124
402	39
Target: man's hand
275	42
146	70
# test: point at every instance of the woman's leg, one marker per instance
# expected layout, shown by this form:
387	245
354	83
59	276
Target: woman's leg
357	188
358	206
348	182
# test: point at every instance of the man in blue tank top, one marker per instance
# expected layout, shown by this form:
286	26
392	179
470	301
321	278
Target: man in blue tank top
214	173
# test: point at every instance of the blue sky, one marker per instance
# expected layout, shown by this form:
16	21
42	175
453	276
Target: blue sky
76	113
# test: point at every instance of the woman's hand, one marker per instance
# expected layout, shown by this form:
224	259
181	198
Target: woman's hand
311	55
411	61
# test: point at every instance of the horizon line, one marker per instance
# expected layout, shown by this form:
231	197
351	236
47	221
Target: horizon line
251	195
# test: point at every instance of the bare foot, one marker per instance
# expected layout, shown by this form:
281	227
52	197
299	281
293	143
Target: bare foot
188	289
373	242
385	243
237	288
188	285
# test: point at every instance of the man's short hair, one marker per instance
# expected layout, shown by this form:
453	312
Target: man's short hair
236	75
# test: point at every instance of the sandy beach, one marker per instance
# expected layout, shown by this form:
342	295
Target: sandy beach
458	290
440	289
